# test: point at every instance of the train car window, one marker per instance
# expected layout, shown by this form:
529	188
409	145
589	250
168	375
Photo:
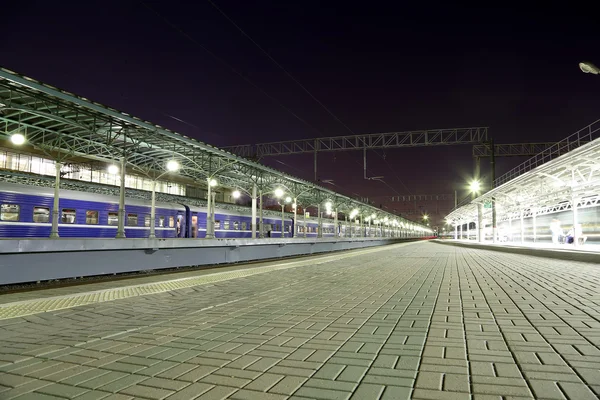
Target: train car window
9	212
226	225
132	219
217	224
113	218
147	220
161	222
67	216
236	225
91	217
244	226
171	222
41	214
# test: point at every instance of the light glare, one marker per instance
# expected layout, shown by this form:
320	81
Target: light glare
213	182
17	139
172	165
278	192
113	169
236	194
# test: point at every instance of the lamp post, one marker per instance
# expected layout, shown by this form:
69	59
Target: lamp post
210	215
279	194
171	166
475	187
237	193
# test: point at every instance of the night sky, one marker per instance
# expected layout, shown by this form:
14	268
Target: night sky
376	66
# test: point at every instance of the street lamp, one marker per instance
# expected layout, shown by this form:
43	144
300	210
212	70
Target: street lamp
589	68
475	186
210	208
171	166
17	139
113	169
279	194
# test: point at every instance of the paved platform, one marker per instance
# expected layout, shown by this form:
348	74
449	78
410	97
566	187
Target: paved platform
421	320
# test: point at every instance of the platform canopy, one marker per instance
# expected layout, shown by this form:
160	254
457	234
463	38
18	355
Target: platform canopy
66	127
565	174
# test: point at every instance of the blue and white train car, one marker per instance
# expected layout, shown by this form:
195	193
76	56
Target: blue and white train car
26	211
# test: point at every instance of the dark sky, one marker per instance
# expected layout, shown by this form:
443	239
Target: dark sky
377	66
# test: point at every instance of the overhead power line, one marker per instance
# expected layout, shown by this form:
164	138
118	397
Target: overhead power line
281	67
222	61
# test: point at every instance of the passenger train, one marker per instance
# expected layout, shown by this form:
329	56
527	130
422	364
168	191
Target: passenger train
26	211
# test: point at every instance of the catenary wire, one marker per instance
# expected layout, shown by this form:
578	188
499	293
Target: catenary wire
281	67
222	61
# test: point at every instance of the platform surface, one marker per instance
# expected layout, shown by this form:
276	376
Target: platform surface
418	320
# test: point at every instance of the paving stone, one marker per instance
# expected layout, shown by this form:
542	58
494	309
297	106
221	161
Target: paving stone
245	394
264	382
147	392
93	395
191	391
288	385
122	383
220	380
103	378
396	393
370	322
331	371
162	383
325	394
13	381
217	393
58	389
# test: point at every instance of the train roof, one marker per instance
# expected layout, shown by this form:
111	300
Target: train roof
100	197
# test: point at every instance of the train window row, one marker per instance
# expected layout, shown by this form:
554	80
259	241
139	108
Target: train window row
11	213
231	225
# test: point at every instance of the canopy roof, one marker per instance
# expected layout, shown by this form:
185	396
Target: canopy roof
65	126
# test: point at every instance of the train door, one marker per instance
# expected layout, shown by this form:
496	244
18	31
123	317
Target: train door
195	225
180	224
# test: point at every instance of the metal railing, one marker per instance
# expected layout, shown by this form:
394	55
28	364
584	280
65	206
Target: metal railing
579	138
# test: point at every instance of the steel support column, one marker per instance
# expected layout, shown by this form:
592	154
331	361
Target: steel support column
261	228
320	219
316	161
294	221
305	227
282	218
335	224
210	227
534	222
152	234
480	236
121	226
574	201
55	207
522	227
493	167
253	222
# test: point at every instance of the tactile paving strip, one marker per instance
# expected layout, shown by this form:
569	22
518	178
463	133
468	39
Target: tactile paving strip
35	306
